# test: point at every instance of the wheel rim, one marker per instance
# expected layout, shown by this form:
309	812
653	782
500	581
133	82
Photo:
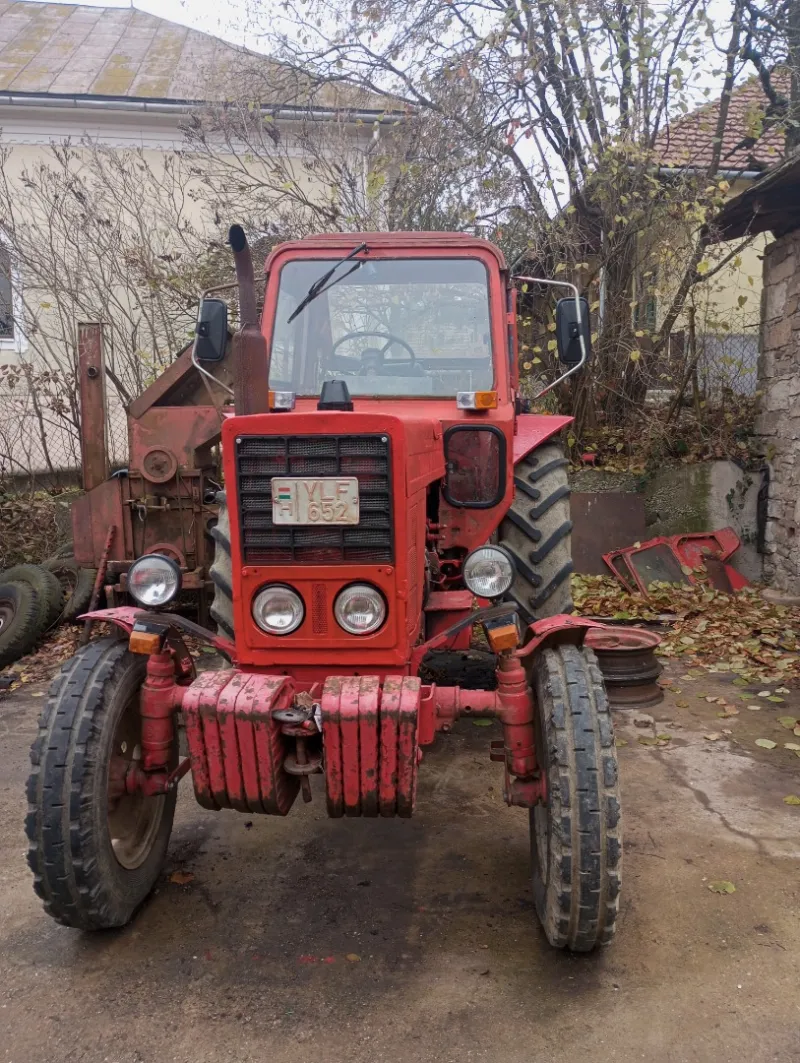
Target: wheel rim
133	819
7	611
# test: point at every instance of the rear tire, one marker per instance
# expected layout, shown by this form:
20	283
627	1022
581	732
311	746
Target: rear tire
20	622
95	856
221	573
576	838
537	530
46	587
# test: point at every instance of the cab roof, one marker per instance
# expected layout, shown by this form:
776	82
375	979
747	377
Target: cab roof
344	242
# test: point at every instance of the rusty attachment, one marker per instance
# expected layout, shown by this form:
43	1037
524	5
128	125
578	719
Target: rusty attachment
627	660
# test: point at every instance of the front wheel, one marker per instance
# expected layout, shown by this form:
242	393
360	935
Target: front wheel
95	850
576	838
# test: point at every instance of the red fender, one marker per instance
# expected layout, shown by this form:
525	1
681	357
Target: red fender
556	629
126	616
533	429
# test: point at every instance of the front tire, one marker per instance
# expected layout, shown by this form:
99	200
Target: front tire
95	851
576	839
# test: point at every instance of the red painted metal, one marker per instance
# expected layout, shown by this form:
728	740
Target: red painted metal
444	608
560	628
236	747
690	552
99	583
370	742
533	429
157	705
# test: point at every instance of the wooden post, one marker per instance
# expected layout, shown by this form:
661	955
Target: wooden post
92	392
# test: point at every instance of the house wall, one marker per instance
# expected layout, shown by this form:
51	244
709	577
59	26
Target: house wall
29	440
778	423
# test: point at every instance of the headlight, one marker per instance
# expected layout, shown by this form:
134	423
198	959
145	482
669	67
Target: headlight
278	610
489	571
360	609
154	580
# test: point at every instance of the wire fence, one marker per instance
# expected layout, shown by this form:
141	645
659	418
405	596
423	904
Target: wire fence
728	362
40	441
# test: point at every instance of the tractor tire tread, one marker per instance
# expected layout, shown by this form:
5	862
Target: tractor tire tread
221	573
62	846
21	635
539	536
48	590
577	897
77	584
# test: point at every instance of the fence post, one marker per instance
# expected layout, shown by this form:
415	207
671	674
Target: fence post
92	392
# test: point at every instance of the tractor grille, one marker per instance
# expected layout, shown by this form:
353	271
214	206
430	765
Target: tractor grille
259	458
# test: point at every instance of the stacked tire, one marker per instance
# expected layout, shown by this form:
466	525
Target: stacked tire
34	598
30	604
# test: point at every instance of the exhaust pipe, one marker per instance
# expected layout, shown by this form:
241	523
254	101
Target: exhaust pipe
250	353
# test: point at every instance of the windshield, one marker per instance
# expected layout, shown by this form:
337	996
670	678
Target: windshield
402	327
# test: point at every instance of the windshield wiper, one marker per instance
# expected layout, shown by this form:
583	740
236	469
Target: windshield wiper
318	287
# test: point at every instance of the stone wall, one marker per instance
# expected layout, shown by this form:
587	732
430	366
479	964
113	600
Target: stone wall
779	420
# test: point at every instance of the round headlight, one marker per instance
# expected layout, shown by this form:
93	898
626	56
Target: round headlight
489	571
154	580
360	609
278	609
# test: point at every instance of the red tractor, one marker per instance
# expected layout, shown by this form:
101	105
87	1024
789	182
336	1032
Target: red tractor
384	494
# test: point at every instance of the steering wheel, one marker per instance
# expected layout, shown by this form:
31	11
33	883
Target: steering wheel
353	365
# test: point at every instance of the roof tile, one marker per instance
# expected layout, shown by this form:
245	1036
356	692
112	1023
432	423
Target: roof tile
689	140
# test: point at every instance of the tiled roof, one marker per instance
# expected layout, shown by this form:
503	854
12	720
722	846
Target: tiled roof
61	49
688	141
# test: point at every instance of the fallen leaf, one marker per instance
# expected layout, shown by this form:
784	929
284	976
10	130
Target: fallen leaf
766	743
754	708
739	682
664	738
765	693
623	742
645	741
791	745
722	886
353	957
792	799
713	736
775	698
181	878
782	690
797	730
481	722
37	694
789	722
711	699
682	704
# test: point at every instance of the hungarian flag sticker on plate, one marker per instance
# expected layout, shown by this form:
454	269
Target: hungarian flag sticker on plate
330	500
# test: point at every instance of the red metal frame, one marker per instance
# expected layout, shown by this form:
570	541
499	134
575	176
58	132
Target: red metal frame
690	549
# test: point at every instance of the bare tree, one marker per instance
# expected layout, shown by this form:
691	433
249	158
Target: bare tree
568	103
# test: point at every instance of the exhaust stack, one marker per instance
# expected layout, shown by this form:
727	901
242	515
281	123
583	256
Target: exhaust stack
250	353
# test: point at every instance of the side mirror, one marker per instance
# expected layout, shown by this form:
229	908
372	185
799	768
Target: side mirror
211	330
569	329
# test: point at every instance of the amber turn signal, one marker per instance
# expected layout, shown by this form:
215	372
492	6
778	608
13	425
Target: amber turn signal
145	642
503	637
476	400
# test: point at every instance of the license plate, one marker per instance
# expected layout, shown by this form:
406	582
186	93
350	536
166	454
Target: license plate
330	500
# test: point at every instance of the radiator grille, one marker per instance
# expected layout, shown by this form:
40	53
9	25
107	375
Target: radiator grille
259	458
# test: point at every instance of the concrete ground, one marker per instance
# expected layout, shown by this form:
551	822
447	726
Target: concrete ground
410	941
